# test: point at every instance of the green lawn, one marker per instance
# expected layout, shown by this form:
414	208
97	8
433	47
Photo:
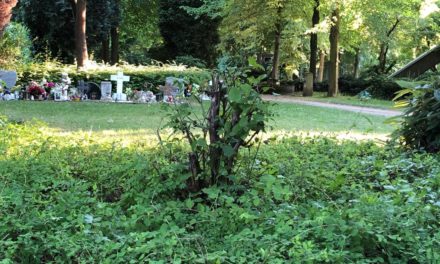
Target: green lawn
348	100
108	116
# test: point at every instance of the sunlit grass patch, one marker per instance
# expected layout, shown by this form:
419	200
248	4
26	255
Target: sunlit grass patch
97	117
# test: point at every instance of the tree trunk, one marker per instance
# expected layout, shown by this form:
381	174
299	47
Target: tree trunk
382	58
276	54
356	63
314	41
115	45
321	66
6	13
82	55
384	48
106	50
334	55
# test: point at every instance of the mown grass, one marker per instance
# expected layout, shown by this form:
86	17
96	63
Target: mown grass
348	100
98	117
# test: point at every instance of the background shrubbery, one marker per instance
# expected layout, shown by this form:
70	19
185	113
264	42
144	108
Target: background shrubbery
379	86
154	75
15	46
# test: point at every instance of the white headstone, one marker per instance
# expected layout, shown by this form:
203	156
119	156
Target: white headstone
120	78
106	91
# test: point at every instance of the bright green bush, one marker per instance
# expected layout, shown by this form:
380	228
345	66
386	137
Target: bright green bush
15	46
304	200
140	75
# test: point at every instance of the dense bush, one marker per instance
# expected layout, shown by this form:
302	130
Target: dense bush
15	46
303	200
190	61
140	75
380	87
420	126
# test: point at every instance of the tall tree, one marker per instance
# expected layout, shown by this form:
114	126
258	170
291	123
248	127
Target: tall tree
275	75
52	26
114	36
139	29
82	55
334	53
314	40
186	35
6	13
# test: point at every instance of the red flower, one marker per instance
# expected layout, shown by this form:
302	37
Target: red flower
34	89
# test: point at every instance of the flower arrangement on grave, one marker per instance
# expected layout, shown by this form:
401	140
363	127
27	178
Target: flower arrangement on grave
48	86
75	98
35	89
129	92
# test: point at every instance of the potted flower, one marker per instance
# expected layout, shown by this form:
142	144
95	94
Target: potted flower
35	90
48	87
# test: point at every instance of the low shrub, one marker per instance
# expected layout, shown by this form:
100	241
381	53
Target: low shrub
380	87
190	61
140	75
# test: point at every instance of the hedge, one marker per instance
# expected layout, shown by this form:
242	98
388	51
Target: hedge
140	75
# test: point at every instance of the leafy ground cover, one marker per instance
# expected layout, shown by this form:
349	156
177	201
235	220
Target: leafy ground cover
102	116
349	100
69	199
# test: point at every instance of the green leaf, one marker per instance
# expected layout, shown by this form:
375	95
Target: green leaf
228	151
402	93
254	64
234	94
405	84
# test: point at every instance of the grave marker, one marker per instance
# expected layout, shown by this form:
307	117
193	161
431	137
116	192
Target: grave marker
120	78
106	91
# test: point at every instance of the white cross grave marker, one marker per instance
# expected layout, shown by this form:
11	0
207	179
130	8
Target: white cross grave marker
120	78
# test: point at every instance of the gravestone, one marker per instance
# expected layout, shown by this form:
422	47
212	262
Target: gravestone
9	77
120	78
172	89
106	91
94	91
83	88
308	89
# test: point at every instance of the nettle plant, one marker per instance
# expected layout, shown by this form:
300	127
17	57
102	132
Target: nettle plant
217	130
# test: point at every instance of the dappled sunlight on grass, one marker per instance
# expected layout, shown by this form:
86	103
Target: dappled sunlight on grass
342	135
137	125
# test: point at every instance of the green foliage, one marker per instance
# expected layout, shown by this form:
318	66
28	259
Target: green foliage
183	34
304	200
140	75
190	61
236	115
382	87
15	46
379	86
420	127
139	29
51	24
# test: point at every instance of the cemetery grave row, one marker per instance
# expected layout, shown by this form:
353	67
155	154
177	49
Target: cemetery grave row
64	90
